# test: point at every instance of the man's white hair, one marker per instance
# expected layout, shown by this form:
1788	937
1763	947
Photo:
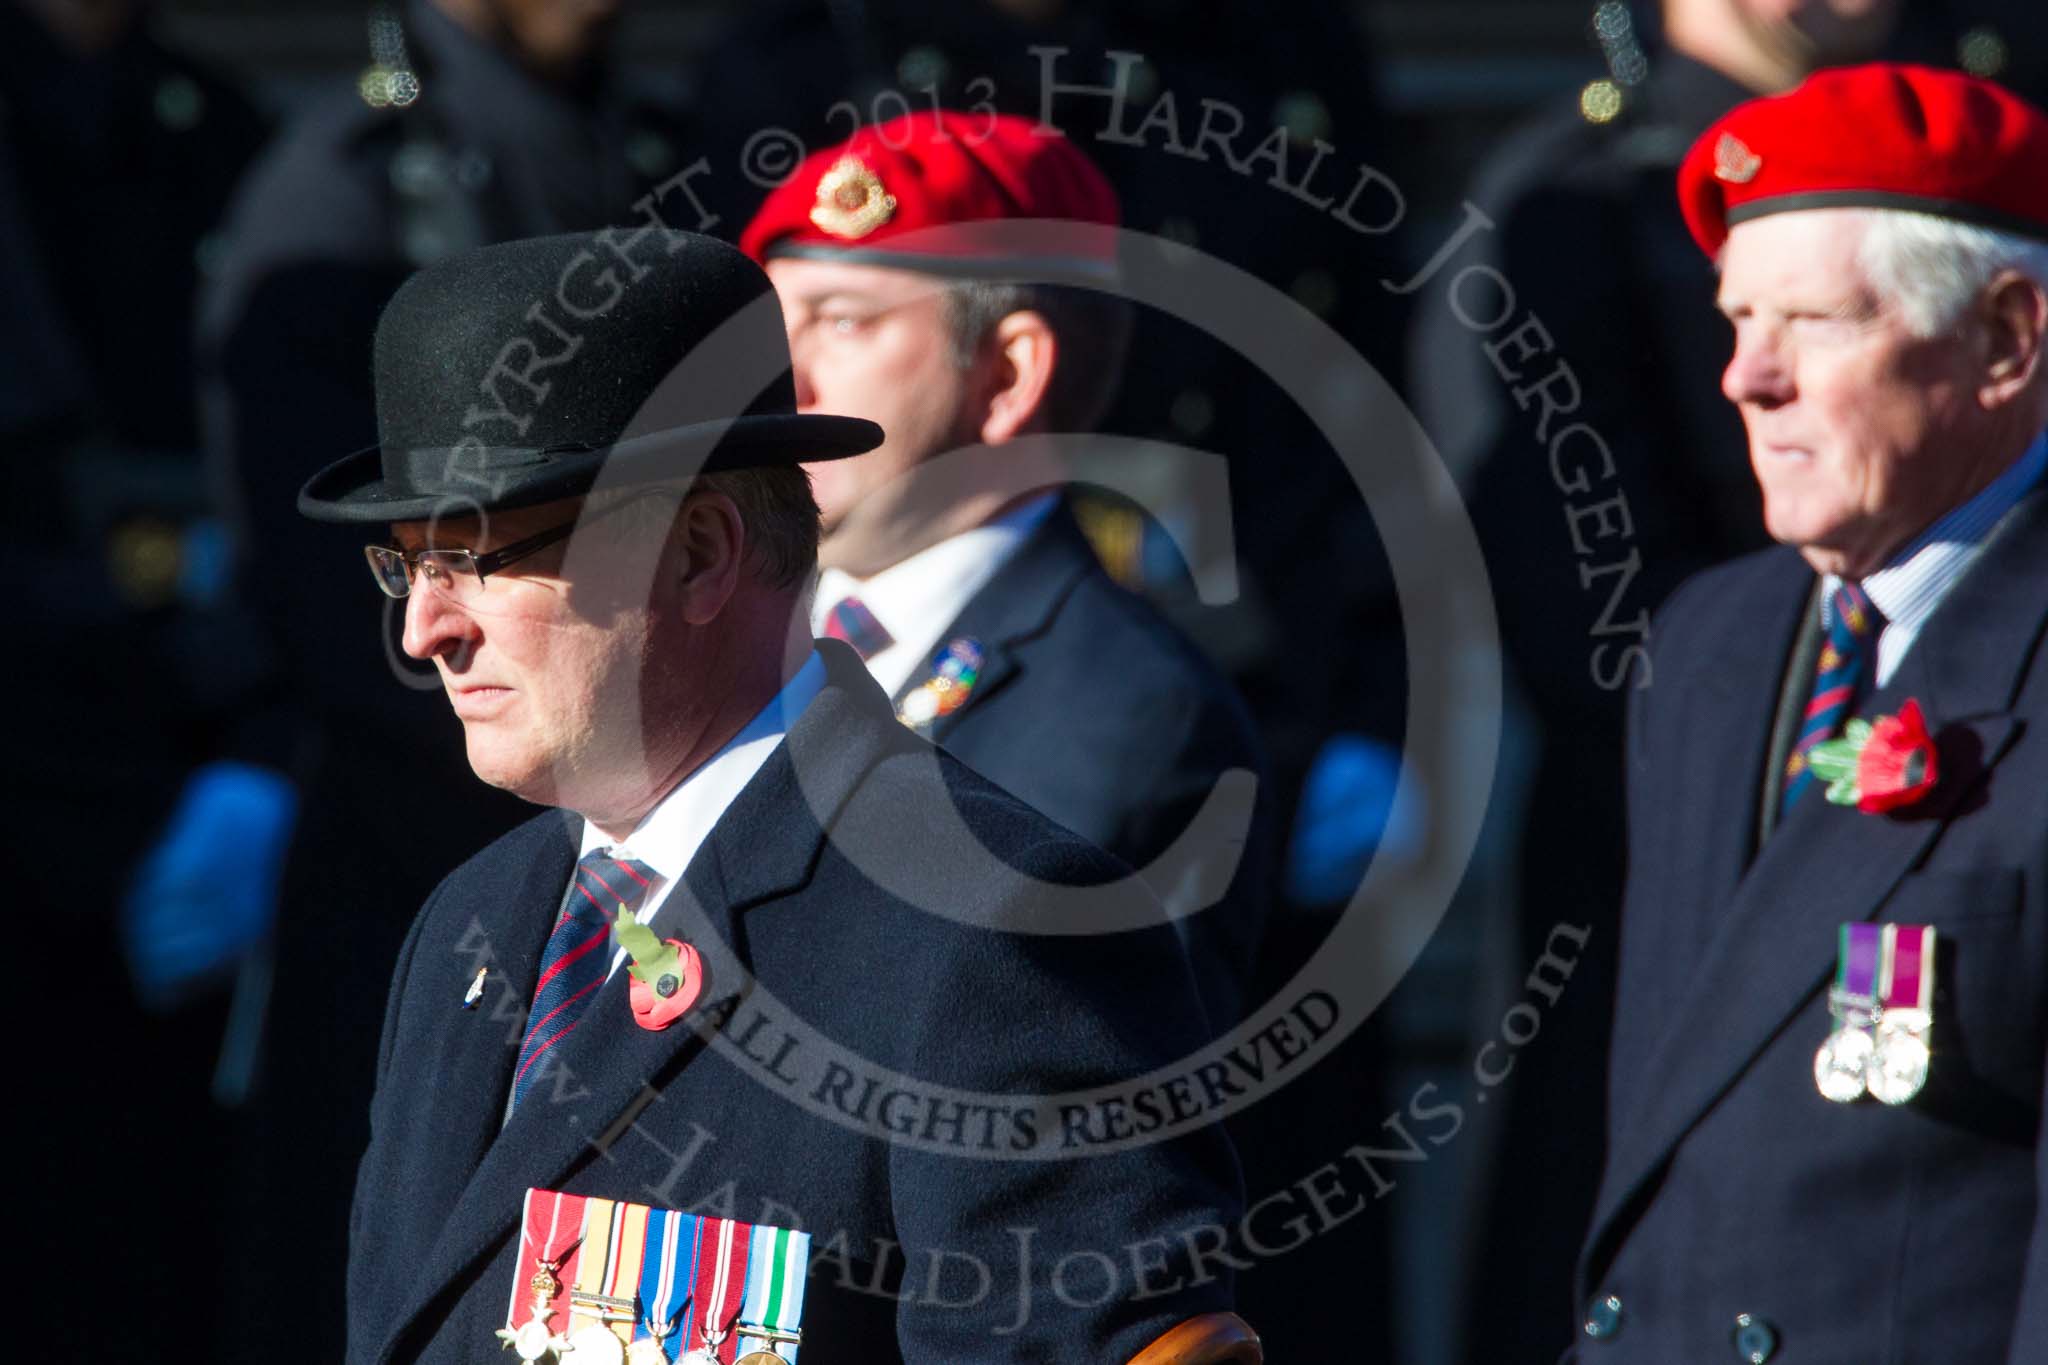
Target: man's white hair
1932	268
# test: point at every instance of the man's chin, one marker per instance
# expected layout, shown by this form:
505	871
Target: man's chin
509	775
1794	520
1831	551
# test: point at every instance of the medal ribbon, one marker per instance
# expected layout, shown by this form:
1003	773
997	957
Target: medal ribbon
628	1255
777	1263
719	1283
667	1267
1861	952
1909	953
594	1257
544	1228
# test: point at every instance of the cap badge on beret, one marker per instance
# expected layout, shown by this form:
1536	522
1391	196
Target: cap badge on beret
851	200
1734	162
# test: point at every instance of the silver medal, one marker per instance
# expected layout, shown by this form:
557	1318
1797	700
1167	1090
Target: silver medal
1840	1067
533	1340
1898	1067
595	1346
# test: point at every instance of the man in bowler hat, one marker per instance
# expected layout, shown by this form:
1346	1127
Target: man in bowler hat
587	495
1825	1134
954	544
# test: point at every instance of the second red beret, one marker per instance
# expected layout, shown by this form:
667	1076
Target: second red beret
910	192
1882	135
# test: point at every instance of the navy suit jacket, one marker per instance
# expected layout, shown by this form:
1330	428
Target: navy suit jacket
1849	1232
932	1254
1094	709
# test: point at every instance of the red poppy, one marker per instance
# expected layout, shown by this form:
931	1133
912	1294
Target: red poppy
684	982
1897	766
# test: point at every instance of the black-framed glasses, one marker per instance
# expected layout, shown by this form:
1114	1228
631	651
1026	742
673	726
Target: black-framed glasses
458	574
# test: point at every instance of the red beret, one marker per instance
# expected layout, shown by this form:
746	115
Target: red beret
1877	136
876	198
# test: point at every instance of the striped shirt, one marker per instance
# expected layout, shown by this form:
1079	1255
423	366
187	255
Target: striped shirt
1913	583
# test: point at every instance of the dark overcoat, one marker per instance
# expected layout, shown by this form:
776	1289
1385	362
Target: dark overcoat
942	1253
1844	1232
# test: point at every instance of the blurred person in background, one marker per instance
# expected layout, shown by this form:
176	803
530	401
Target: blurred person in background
1312	640
955	545
117	155
1586	230
103	125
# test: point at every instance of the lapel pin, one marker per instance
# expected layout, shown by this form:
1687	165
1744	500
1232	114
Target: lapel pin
954	673
476	989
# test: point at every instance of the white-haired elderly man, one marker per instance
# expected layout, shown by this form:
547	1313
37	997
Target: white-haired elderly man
1824	1140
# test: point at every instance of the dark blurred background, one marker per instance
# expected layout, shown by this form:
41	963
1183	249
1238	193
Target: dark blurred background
233	799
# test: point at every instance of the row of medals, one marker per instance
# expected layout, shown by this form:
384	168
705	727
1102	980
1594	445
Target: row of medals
599	1344
1879	1052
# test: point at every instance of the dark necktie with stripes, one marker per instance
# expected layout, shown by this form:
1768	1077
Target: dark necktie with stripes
1845	661
573	965
851	621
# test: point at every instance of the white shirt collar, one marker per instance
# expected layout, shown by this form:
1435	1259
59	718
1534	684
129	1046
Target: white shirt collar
1915	581
917	598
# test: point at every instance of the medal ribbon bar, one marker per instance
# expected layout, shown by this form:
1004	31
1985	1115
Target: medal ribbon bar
1840	1068
550	1252
777	1265
607	1282
1909	988
596	1263
1857	970
1899	1064
667	1269
719	1287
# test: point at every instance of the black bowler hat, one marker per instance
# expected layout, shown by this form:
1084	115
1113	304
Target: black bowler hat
516	374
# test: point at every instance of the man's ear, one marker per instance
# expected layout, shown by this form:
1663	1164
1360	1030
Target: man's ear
706	548
1019	355
2015	313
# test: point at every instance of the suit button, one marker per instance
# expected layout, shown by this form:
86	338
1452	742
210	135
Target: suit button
1755	1340
1603	1317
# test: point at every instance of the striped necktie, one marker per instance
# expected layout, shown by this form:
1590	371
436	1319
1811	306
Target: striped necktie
851	621
573	965
1853	624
